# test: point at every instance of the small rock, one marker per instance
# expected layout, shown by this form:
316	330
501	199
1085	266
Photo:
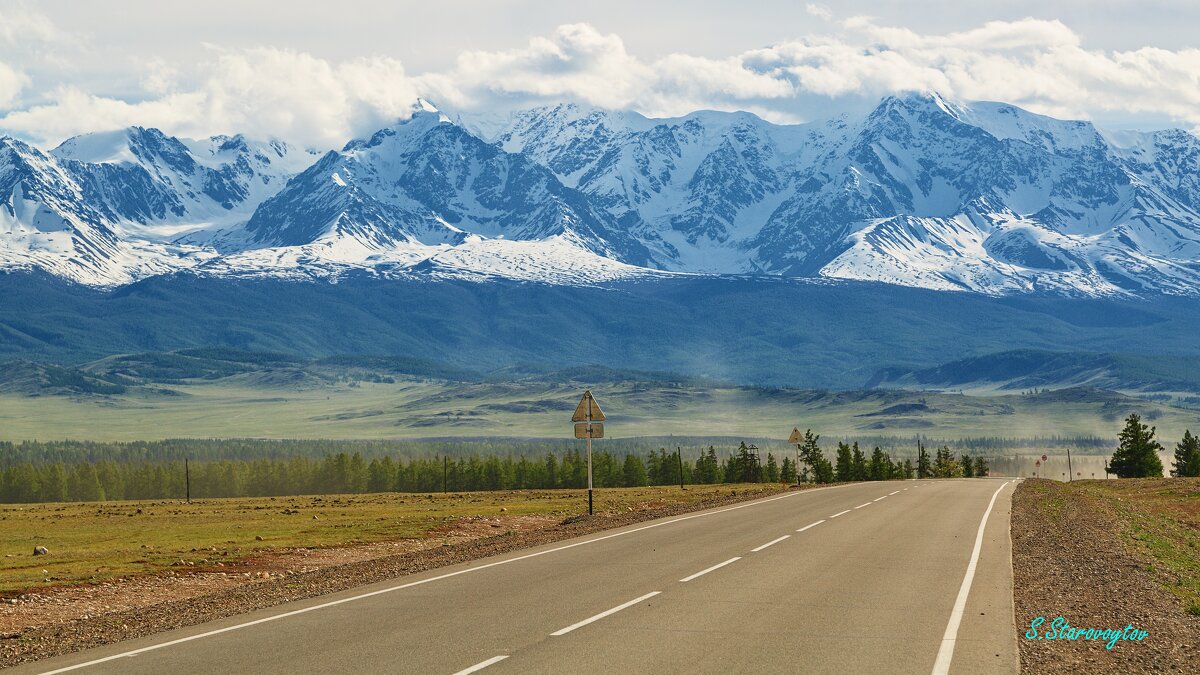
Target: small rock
258	538
40	550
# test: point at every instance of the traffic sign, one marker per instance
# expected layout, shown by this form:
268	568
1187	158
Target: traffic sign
795	437
581	430
589	413
1043	458
588	409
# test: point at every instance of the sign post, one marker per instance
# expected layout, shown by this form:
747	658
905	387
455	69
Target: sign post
795	438
587	415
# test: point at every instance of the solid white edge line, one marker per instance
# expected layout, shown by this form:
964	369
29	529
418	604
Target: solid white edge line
607	612
946	652
840	513
333	603
862	505
812	525
714	567
770	543
482	664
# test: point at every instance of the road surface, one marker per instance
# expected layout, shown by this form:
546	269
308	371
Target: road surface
900	576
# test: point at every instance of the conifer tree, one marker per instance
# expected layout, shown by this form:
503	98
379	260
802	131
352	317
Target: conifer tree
968	466
771	472
787	472
633	472
845	463
981	467
1187	456
923	469
1137	454
881	466
821	469
859	470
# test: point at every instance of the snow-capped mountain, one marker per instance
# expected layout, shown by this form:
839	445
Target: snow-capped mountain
109	208
426	182
921	191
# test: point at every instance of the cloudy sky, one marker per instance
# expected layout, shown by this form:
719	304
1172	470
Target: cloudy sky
322	72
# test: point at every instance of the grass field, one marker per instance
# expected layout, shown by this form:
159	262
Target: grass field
1162	519
94	542
412	408
1158	517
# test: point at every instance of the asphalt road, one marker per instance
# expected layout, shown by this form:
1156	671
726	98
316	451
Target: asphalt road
857	578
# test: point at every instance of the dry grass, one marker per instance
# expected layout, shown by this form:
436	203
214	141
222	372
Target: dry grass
98	541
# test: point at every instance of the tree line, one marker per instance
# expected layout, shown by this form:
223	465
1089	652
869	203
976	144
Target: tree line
353	472
851	464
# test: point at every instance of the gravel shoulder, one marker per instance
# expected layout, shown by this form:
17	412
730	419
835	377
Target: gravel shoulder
1078	553
66	620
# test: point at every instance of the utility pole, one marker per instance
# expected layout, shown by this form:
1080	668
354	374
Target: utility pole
1070	472
679	456
187	480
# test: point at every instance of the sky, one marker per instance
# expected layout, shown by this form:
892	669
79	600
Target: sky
319	73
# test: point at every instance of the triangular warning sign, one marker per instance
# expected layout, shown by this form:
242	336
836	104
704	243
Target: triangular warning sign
795	437
588	404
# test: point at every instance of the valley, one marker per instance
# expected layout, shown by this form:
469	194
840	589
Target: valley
232	394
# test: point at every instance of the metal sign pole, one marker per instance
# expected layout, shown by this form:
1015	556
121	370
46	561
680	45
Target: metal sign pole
1070	471
589	451
589	423
679	456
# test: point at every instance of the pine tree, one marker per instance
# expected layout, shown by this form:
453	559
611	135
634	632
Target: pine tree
820	468
859	470
945	465
880	465
1137	454
771	472
845	463
922	461
981	467
707	468
787	473
633	472
1187	456
968	466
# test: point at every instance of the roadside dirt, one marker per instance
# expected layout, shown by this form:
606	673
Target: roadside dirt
33	611
1069	561
67	620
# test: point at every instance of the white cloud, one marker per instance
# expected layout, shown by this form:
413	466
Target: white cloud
580	63
819	10
1039	64
21	24
262	92
12	81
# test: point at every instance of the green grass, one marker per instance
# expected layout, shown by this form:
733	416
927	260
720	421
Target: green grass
246	406
1162	520
94	542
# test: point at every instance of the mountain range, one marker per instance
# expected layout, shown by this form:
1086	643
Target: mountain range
920	191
